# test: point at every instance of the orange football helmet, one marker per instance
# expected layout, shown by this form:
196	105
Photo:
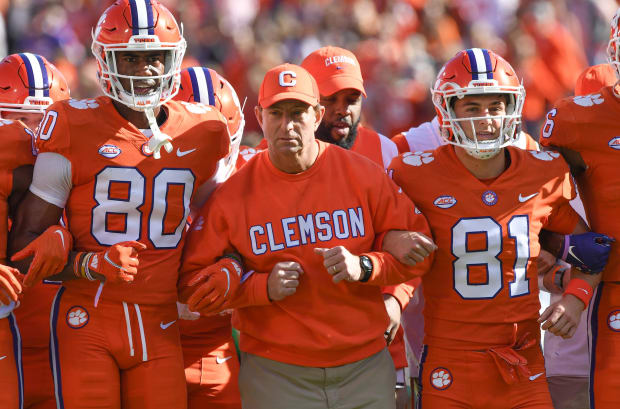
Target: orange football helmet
138	25
29	83
204	85
613	49
478	71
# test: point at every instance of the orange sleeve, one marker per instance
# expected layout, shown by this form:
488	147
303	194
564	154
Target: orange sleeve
403	291
559	127
397	350
6	186
206	241
401	143
393	210
55	135
562	219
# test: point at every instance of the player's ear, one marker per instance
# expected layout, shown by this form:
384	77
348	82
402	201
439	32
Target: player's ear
258	111
319	111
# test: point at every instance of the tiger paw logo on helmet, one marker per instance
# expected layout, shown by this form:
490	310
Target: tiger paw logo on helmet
441	378
589	100
418	158
83	103
77	317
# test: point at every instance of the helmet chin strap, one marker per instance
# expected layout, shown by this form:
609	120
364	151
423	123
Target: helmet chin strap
158	139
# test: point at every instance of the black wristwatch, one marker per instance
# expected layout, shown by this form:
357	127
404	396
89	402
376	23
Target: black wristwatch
366	266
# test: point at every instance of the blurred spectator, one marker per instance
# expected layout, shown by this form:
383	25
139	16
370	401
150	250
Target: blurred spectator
400	43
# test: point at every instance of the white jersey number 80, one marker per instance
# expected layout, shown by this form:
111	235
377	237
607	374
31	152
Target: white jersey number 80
129	207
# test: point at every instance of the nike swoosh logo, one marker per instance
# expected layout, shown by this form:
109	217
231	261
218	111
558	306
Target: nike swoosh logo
165	326
526	198
570	251
183	153
222	360
2	357
534	377
584	290
62	238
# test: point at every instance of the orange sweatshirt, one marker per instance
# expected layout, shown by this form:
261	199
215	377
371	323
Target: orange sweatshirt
342	200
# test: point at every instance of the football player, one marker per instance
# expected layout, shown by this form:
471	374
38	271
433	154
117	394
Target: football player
341	86
567	360
585	130
28	85
115	342
310	312
211	363
481	295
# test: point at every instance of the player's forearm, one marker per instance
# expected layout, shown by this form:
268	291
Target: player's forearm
68	272
592	279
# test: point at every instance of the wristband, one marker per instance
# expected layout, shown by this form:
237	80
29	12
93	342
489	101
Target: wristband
86	268
580	289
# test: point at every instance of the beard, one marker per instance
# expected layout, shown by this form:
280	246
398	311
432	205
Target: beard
324	133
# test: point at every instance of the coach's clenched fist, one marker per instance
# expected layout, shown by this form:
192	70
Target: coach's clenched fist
341	264
283	280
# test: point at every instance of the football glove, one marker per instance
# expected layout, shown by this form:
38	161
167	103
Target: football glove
50	250
10	286
117	264
214	285
587	252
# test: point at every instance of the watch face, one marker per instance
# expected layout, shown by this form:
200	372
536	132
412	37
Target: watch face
366	263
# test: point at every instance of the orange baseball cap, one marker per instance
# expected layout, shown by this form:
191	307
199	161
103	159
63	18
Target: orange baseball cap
594	78
288	81
334	69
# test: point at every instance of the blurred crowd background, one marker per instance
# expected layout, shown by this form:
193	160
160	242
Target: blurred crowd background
401	44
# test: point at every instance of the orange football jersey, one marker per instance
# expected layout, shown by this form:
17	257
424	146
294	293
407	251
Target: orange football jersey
322	324
589	125
17	150
374	146
120	193
484	275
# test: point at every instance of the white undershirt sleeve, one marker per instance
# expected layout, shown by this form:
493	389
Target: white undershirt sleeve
51	180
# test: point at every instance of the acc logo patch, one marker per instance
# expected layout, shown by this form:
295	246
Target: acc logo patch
109	151
489	198
5	122
614	143
77	317
418	158
445	202
441	378
613	321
